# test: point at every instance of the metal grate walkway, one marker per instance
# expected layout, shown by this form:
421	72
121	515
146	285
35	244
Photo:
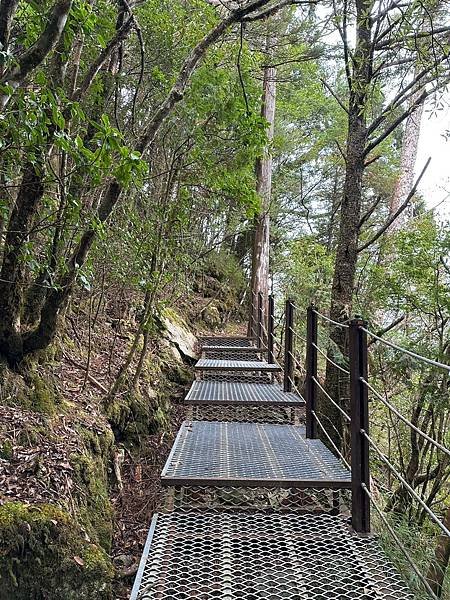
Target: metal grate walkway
205	364
240	342
242	556
241	393
232	530
251	454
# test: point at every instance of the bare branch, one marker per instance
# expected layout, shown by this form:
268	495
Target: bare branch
385	330
269	12
338	100
398	212
369	211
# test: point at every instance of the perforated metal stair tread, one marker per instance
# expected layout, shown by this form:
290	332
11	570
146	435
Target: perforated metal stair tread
238	341
227	348
211	555
251	454
206	364
237	393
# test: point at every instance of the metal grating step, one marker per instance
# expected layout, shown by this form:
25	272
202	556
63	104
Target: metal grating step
253	556
229	353
237	393
251	454
240	342
249	349
206	364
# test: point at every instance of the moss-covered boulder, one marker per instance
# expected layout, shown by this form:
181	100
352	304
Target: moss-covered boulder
46	555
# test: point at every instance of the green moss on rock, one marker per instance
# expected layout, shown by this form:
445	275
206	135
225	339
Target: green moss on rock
94	510
46	555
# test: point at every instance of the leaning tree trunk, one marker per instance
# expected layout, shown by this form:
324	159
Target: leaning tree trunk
261	235
438	568
347	244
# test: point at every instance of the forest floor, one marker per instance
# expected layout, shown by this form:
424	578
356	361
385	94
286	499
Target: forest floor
43	439
136	504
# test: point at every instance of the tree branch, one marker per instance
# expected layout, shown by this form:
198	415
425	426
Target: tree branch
7	11
95	67
369	212
338	100
35	55
423	96
398	212
385	330
269	12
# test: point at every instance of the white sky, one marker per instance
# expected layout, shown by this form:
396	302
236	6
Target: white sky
435	185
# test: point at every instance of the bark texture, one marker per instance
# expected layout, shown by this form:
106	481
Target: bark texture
261	236
347	243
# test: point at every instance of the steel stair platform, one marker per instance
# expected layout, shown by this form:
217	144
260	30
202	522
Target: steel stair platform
210	555
230	341
233	352
236	393
206	364
208	453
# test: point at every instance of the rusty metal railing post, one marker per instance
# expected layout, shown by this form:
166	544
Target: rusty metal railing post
311	372
359	413
289	346
271	330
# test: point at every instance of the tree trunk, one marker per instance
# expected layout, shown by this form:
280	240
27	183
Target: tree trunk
261	235
13	267
438	568
347	243
408	158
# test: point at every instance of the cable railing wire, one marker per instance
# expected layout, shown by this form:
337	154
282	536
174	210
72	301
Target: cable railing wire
329	359
429	361
294	386
340	409
296	362
400	544
404	419
297	335
343	325
411	490
325	432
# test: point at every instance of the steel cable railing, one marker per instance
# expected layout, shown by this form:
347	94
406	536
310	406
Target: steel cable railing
392	408
325	318
419	357
333	445
411	490
399	543
327	395
327	358
356	422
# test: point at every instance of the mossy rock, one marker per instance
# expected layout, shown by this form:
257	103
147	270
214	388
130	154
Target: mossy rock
46	555
94	510
133	416
30	389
